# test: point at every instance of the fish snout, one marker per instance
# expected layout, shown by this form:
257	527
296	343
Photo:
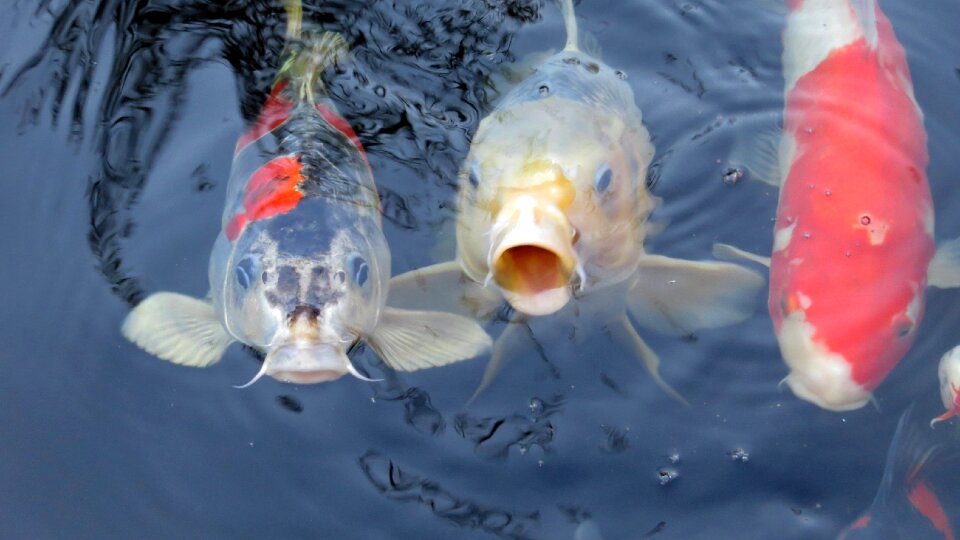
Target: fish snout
532	256
307	364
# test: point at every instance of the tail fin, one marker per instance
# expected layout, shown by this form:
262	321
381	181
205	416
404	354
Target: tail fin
308	54
570	23
916	455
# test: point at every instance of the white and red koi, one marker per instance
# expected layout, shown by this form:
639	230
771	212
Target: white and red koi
853	239
949	374
301	268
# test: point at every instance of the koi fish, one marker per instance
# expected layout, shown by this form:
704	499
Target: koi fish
853	245
552	211
906	506
301	268
949	374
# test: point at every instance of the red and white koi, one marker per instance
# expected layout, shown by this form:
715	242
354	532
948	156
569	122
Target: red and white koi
301	268
854	232
949	374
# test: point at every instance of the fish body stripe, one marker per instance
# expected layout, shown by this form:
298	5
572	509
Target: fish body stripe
275	112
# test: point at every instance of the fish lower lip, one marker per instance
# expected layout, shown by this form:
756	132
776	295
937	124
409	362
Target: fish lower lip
307	377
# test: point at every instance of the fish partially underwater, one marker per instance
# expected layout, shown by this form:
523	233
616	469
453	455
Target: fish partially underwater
853	247
552	216
949	374
301	268
906	506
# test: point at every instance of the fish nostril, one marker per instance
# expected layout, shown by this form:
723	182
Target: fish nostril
304	310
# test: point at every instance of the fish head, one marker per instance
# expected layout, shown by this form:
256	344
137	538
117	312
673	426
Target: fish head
840	343
304	291
553	199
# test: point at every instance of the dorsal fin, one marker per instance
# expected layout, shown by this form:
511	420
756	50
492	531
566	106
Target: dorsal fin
307	55
570	23
866	11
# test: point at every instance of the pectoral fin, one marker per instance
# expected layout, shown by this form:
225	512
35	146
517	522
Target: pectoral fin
676	296
622	331
177	328
443	287
499	357
410	340
726	252
944	270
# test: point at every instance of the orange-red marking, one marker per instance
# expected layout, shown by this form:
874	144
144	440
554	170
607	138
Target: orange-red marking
273	189
926	502
275	112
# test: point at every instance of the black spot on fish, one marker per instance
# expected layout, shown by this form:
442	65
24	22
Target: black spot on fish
592	67
572	60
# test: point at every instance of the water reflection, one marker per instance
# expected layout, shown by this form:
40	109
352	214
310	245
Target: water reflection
396	483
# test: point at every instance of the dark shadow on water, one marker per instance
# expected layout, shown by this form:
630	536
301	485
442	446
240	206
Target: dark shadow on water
390	479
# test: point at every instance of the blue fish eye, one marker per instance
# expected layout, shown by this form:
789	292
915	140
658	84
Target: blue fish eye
602	180
244	272
473	175
359	270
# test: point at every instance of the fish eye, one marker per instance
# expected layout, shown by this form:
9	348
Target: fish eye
473	175
244	272
603	177
904	329
359	269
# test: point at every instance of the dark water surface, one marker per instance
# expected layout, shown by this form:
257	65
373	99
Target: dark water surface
120	119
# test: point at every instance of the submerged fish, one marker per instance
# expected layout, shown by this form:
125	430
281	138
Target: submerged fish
906	506
949	374
301	267
552	211
853	240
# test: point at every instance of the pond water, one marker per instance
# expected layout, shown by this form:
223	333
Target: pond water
120	119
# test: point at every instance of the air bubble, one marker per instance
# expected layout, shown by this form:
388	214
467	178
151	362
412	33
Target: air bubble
380	91
732	175
739	454
865	220
544	90
620	75
807	235
667	476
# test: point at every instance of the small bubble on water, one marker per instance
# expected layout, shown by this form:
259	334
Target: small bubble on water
732	175
667	476
620	74
847	254
379	90
811	186
544	90
536	405
809	130
674	457
739	455
539	463
828	193
865	220
807	235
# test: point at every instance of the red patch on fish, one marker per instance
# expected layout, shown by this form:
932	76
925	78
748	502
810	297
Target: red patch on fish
340	125
858	198
926	502
273	189
275	112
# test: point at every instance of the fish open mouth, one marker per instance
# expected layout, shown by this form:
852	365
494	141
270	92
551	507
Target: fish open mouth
532	257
